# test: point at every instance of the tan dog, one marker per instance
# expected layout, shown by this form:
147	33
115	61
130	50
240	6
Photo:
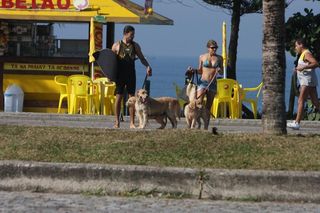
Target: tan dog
191	91
191	113
161	119
195	111
147	107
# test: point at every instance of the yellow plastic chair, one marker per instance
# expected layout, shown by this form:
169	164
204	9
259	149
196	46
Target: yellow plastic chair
111	98
94	100
227	94
237	93
80	97
62	81
253	101
106	97
181	100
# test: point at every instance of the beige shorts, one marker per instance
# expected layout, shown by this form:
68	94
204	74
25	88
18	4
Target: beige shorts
308	78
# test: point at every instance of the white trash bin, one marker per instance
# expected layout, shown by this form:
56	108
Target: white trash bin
13	99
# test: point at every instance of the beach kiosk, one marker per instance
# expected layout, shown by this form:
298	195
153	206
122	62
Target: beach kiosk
31	55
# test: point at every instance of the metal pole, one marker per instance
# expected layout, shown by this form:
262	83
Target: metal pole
224	49
92	70
224	56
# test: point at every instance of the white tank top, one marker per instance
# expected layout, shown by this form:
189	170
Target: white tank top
302	62
307	77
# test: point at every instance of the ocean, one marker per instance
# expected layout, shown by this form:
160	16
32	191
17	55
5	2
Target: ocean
170	70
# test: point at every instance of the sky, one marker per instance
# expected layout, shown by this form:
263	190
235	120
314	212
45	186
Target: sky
194	24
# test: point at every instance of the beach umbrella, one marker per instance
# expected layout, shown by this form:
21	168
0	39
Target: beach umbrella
92	42
224	56
96	27
224	49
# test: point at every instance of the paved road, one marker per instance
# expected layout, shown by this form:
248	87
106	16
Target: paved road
35	202
87	121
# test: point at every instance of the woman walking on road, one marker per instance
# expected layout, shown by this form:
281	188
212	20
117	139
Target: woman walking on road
308	80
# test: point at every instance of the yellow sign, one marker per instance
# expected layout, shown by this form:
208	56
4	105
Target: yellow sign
46	67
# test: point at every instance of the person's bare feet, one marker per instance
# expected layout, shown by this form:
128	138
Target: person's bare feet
132	126
116	125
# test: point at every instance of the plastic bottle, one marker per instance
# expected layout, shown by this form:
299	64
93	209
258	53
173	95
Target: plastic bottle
13	99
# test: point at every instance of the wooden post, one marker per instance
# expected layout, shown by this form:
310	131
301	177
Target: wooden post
110	34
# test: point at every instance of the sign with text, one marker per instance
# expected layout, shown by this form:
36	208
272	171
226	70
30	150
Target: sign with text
46	67
44	4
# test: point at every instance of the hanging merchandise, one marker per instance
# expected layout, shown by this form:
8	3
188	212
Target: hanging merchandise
4	36
148	7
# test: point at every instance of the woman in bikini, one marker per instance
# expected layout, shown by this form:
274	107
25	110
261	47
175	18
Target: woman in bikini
210	64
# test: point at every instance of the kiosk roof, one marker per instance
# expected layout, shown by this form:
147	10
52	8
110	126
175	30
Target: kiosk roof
118	11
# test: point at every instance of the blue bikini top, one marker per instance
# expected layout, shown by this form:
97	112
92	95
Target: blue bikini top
208	64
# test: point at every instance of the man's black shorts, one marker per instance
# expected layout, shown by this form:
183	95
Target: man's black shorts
126	80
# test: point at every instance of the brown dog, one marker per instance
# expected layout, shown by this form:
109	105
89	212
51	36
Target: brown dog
158	108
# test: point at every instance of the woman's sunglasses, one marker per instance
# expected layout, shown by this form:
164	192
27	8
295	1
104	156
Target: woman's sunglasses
215	47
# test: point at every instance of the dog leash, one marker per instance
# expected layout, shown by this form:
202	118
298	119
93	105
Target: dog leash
143	87
144	82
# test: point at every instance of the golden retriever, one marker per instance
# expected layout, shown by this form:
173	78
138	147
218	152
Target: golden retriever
155	108
195	111
161	119
191	92
191	112
146	106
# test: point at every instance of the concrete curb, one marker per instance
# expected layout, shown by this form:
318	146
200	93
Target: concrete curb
194	183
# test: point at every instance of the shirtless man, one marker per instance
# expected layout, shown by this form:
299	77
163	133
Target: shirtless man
127	50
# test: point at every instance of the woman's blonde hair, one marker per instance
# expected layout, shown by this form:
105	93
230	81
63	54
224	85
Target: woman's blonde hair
212	43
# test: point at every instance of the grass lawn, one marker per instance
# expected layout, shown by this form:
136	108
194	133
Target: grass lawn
177	148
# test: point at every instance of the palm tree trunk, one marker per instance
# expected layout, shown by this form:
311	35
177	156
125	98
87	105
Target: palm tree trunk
273	112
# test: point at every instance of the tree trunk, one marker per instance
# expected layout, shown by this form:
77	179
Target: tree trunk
273	112
234	35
